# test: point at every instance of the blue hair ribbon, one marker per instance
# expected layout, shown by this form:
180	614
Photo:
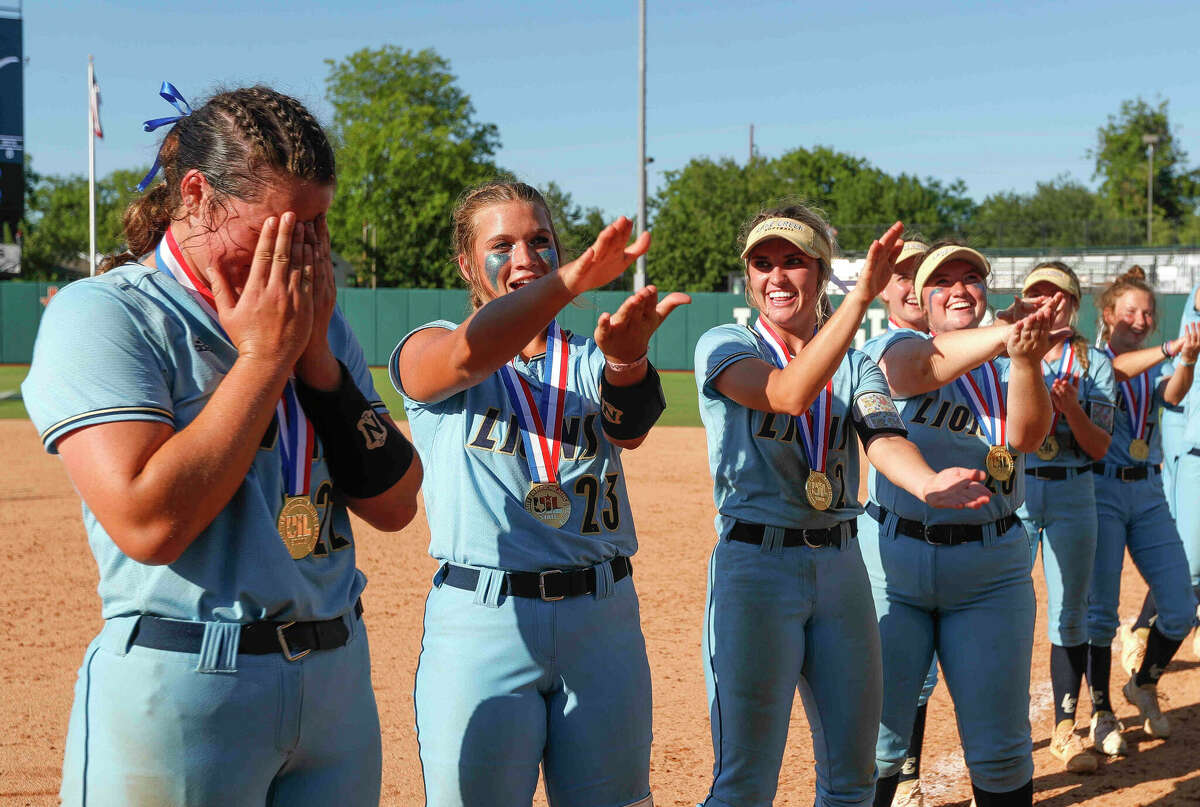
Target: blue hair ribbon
175	98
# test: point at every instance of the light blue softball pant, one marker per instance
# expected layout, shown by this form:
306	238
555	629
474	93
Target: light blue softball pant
507	683
781	619
974	605
215	727
1134	514
1187	509
1171	424
1060	516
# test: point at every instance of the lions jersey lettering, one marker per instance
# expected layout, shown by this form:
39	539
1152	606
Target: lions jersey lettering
489	436
943	427
757	461
155	354
475	491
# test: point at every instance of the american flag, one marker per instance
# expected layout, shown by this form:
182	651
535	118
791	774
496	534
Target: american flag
95	104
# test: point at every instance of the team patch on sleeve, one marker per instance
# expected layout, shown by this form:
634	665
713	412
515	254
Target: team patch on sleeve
1102	415
876	411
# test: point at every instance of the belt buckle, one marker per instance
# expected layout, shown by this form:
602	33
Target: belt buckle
1125	474
283	644
808	543
925	528
542	586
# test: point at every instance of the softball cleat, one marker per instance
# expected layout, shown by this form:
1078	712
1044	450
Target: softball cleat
1067	746
1105	734
1133	648
909	794
1145	698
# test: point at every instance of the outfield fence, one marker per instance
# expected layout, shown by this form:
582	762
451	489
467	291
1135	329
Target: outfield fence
381	317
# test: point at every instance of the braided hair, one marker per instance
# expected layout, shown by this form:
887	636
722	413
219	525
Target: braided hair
240	140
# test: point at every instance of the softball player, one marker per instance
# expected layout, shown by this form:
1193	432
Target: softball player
532	652
958	583
1132	514
211	406
1181	450
904	311
785	565
1059	511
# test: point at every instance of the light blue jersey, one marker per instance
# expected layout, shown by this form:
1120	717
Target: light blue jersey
757	461
131	344
1097	393
476	475
942	426
1118	450
1180	427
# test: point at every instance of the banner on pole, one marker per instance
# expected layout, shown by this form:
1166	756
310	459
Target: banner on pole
12	128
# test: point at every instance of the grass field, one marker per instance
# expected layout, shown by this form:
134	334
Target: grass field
682	409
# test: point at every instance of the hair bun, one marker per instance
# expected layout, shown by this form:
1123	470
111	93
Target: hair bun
1134	272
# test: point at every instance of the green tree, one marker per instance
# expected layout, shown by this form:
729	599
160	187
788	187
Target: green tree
407	144
1122	166
1060	213
700	209
56	230
577	227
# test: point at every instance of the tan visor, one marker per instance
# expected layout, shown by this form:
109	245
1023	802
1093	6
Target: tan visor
794	232
946	254
1051	275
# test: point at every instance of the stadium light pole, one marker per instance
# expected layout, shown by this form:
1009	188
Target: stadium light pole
639	275
1150	140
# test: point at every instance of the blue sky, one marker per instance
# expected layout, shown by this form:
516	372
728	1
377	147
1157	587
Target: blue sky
1001	95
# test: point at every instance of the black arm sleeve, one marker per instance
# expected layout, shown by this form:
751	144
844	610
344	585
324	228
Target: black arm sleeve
366	455
629	412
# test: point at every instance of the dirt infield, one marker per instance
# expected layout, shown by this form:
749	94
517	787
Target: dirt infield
51	611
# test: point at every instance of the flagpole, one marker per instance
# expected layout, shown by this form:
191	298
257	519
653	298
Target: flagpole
91	174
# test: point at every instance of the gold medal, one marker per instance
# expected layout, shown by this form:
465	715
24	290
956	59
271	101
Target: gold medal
548	503
1048	450
1139	449
1000	463
299	525
818	490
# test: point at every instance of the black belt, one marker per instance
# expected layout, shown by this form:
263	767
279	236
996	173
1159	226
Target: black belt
1195	452
550	585
943	534
1126	473
294	640
830	536
1057	473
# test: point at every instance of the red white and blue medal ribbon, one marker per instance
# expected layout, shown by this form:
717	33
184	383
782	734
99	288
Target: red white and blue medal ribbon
985	397
1137	404
1066	368
894	325
813	426
298	523
169	258
541	428
986	401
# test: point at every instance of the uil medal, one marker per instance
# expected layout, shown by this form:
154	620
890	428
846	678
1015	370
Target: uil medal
1000	463
1137	394
813	425
548	503
985	397
818	490
1139	449
1048	450
299	525
541	429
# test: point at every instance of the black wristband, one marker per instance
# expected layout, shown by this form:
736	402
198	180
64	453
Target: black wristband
629	412
366	455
